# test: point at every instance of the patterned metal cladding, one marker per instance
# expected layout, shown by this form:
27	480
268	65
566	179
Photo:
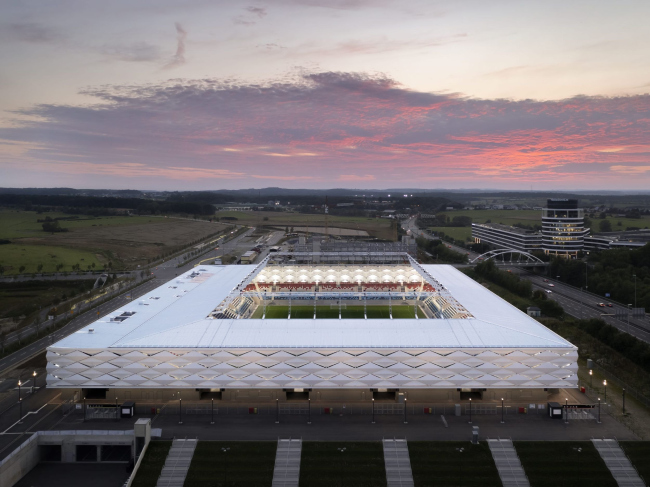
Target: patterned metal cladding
313	368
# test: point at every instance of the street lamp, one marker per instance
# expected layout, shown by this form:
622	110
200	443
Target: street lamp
599	410
634	276
586	275
309	410
116	410
405	422
605	384
180	409
502	418
470	410
591	378
212	412
84	409
373	410
33	381
566	410
277	411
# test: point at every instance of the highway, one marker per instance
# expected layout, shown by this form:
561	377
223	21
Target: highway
583	305
411	225
577	303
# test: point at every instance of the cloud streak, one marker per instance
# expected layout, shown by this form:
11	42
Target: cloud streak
179	57
329	127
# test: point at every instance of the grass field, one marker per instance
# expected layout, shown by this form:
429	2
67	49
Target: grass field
22	224
326	312
639	454
442	463
124	241
459	233
12	256
563	464
360	465
376	227
152	464
245	463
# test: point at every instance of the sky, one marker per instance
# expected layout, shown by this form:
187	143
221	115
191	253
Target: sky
198	94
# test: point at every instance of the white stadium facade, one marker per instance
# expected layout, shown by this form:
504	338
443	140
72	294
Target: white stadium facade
207	333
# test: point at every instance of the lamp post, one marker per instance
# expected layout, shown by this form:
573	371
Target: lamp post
605	384
116	410
33	381
566	410
470	410
405	421
599	410
277	411
373	410
634	276
180	409
212	412
309	410
591	378
502	417
586	275
84	409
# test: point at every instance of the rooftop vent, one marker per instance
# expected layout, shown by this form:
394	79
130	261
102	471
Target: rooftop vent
91	330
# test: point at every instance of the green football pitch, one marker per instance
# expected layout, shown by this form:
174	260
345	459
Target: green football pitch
325	312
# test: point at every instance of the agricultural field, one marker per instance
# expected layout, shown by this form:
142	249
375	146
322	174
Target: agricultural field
231	463
563	464
452	463
327	312
382	228
122	241
342	464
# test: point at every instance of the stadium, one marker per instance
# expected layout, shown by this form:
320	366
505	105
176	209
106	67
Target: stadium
324	331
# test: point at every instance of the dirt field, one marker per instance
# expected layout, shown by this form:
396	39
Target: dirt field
131	244
376	227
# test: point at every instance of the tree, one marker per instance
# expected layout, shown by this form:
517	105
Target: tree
21	269
605	226
3	340
39	267
2	270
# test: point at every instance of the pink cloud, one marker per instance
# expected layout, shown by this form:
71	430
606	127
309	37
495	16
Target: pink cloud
324	128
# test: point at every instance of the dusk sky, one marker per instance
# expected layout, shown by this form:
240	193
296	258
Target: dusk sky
197	94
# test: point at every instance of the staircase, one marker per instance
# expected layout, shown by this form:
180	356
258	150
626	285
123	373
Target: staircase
507	461
177	463
617	462
398	463
287	463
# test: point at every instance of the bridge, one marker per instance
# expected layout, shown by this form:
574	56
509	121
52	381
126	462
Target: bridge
506	257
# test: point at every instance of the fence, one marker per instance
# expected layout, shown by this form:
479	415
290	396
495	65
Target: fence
621	383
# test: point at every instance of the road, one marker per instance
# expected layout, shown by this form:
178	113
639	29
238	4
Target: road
582	305
411	225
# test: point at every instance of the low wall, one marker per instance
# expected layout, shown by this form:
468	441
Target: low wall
19	462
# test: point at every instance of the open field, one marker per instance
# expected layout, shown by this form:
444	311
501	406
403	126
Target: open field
452	463
326	312
21	224
376	227
639	454
13	256
124	241
361	464
244	463
459	233
152	464
563	464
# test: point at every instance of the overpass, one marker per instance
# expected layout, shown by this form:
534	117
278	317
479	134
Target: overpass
510	257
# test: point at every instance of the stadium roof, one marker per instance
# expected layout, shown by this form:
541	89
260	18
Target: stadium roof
175	316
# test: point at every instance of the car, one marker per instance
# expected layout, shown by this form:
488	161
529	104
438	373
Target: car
545	280
610	305
548	291
601	305
551	285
